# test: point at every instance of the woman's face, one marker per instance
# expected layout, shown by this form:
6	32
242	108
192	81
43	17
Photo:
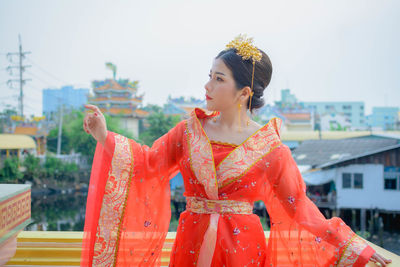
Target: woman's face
220	87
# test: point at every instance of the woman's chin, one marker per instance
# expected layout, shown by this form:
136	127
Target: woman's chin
209	106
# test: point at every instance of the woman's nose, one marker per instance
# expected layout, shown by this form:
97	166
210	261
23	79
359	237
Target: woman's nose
207	86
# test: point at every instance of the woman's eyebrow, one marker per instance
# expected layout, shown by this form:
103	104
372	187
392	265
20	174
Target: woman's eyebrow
217	72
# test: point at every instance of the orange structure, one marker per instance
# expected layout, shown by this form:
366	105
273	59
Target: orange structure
119	97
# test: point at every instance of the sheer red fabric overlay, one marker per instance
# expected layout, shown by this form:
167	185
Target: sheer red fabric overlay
128	205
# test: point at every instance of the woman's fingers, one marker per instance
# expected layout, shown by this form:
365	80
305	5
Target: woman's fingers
88	121
386	261
93	108
85	123
94	122
376	258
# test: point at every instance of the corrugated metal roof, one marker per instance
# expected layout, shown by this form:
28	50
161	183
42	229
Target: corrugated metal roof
314	135
316	152
367	153
16	141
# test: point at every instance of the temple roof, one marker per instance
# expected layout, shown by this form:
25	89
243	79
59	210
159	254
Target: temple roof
121	84
126	111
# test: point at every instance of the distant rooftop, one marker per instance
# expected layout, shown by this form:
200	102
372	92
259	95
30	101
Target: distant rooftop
316	152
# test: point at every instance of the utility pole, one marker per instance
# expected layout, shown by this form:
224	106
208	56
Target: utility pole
21	68
60	128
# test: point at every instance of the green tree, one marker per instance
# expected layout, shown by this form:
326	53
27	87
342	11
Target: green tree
75	138
52	139
11	171
33	169
5	117
160	124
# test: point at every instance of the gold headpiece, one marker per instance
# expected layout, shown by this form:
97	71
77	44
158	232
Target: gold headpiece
246	50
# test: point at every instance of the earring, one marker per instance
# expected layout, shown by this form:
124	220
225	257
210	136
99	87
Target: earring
251	96
239	108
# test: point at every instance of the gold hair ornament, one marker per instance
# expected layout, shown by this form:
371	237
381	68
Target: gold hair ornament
245	48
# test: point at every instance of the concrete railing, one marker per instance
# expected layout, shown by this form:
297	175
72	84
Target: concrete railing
52	248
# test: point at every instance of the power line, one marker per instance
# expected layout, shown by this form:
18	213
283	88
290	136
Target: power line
45	71
21	68
35	88
40	79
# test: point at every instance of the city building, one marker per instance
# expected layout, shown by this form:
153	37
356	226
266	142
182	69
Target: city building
356	175
384	118
68	96
182	106
294	115
352	111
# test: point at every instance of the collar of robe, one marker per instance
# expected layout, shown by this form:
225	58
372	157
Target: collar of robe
237	162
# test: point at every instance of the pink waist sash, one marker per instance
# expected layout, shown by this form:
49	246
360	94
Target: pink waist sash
214	208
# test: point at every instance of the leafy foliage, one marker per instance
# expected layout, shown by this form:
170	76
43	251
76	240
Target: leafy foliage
10	171
159	124
74	137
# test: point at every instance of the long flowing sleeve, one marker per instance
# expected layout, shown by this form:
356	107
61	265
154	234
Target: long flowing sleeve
300	235
128	204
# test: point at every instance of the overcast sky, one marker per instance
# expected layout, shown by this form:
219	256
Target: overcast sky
322	50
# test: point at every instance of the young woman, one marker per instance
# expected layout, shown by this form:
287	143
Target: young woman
228	162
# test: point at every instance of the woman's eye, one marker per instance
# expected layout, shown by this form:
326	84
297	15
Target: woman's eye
218	78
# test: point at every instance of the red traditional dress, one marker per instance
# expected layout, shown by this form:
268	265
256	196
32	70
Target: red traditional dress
128	206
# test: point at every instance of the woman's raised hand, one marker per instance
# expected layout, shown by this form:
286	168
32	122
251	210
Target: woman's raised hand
95	124
379	259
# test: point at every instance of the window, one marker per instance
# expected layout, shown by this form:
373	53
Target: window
391	183
391	178
354	180
346	107
329	107
346	180
358	180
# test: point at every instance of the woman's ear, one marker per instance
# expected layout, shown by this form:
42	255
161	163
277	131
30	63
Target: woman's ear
246	91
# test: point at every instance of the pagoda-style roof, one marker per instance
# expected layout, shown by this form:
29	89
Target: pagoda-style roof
116	99
125	111
111	84
141	112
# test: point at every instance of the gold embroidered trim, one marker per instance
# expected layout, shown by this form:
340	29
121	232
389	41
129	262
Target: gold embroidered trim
223	143
352	251
249	152
202	205
112	207
231	168
124	206
251	136
204	170
244	172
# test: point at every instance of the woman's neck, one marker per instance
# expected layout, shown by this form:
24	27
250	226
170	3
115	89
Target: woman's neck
228	119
